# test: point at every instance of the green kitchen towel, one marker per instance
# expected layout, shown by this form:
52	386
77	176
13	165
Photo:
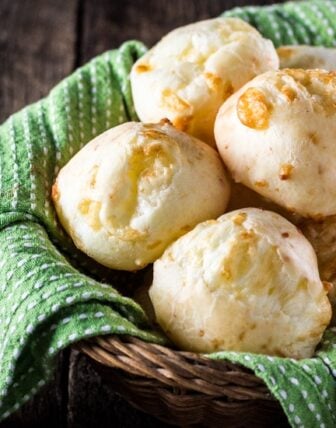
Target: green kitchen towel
51	295
293	23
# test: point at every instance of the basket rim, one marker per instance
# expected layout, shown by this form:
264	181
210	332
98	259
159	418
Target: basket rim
171	368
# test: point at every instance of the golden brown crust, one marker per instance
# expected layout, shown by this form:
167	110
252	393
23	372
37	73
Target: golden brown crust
253	109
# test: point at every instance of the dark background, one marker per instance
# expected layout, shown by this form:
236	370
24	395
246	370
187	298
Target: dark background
42	41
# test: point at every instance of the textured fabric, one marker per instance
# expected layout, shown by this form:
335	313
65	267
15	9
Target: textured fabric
47	299
294	23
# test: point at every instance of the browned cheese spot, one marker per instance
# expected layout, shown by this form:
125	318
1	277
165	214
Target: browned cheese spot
130	234
55	194
182	122
165	121
239	218
227	90
84	206
225	272
253	109
174	102
91	209
154	149
320	83
213	81
312	136
143	68
300	75
201	333
285	234
285	52
303	284
328	286
247	234
261	183
285	171
289	93
325	77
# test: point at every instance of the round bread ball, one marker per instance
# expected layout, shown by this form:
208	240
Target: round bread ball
136	188
277	137
247	281
193	69
302	56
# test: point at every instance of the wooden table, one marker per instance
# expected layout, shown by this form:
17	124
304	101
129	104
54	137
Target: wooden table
42	41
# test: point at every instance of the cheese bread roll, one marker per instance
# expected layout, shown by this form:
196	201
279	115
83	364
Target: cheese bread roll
248	282
192	70
136	188
277	137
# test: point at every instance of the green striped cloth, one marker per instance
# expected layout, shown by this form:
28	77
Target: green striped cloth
47	299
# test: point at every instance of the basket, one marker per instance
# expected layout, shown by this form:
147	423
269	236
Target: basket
183	388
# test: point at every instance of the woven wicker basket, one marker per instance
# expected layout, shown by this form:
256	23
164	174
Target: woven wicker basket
183	388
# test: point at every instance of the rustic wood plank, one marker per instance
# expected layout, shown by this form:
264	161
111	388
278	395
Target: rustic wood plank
105	24
37	49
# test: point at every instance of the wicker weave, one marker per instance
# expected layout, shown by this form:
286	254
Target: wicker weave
182	388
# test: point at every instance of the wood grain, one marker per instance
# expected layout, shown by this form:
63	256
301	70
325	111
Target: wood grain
105	24
37	49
